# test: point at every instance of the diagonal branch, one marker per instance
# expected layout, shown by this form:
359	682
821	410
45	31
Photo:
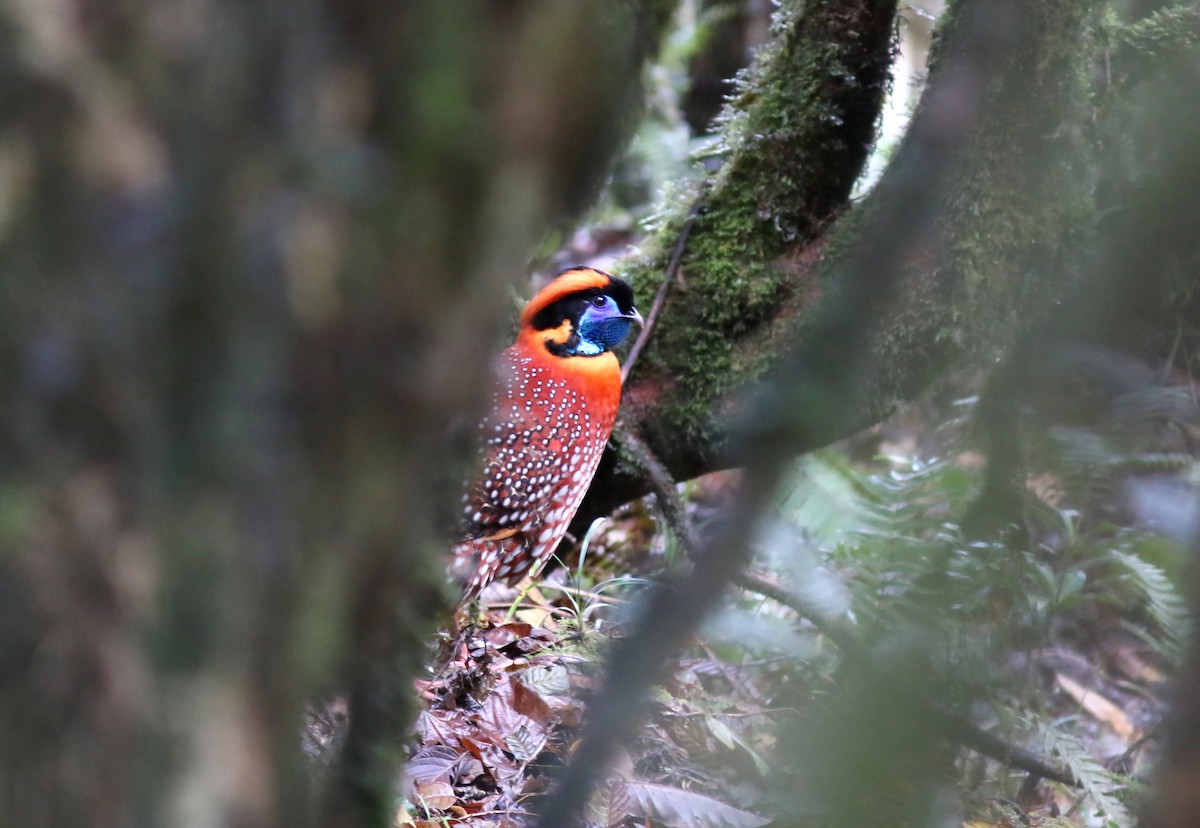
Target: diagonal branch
669	275
952	726
660	482
814	391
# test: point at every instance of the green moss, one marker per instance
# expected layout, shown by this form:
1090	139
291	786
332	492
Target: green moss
795	139
1023	198
1013	217
1164	32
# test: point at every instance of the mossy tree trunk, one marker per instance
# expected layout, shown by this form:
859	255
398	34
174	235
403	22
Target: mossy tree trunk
994	230
776	224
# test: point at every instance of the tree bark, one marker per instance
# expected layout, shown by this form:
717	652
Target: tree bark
777	226
986	208
253	259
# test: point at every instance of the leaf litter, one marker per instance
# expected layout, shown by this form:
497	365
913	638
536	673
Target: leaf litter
502	713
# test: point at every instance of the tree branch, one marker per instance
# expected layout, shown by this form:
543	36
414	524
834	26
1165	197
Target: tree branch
669	276
954	727
815	390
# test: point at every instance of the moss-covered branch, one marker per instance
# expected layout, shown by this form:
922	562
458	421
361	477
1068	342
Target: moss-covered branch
778	228
796	138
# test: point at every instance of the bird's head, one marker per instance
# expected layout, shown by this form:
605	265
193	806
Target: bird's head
584	312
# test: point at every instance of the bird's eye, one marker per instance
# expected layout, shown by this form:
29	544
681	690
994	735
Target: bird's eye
600	301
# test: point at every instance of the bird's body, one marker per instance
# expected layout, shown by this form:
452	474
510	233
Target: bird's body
554	407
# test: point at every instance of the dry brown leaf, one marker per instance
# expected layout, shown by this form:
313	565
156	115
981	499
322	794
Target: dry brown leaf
499	718
506	634
619	803
525	744
468	771
547	679
1098	706
538	639
529	702
535	785
436	796
432	763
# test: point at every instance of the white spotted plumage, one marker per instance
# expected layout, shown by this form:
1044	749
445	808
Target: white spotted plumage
535	477
550	419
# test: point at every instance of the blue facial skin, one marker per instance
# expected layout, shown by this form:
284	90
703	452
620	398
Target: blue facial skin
602	325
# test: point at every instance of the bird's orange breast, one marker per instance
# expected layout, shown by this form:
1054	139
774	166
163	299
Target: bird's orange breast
550	421
554	407
596	378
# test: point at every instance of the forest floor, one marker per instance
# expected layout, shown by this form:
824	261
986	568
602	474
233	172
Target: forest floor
879	663
1019	682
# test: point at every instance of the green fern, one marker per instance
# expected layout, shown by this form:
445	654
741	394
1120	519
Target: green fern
891	544
1098	784
1164	604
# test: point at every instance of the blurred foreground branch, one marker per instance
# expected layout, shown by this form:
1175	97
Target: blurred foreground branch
253	258
815	390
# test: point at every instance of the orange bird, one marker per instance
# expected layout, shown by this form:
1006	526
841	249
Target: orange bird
555	403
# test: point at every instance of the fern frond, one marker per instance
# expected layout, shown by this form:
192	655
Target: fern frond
1097	783
1163	602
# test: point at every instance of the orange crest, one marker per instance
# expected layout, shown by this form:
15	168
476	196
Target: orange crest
566	283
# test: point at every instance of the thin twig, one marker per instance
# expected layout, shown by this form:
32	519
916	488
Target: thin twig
954	727
584	593
660	298
662	485
744	714
836	631
970	735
